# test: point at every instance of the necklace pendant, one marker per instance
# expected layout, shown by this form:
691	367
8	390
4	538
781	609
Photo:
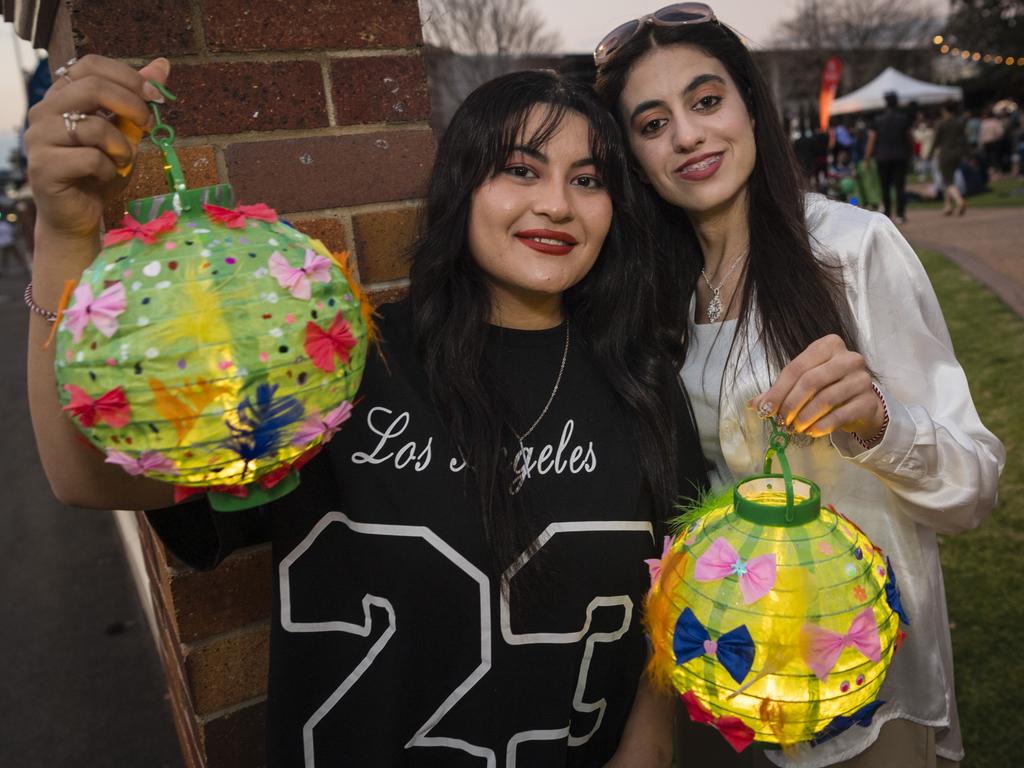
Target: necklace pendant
715	306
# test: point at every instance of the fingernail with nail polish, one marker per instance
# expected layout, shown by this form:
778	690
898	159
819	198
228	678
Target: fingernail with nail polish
152	94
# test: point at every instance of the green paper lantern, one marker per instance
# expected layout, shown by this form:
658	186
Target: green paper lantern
210	345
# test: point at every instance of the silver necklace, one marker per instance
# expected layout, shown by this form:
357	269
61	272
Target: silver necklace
715	307
522	471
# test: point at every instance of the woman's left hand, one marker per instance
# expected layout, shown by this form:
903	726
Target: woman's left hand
824	388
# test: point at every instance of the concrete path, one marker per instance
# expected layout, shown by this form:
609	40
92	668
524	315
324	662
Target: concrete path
81	685
987	242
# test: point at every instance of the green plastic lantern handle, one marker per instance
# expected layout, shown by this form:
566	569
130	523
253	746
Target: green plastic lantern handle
163	136
777	447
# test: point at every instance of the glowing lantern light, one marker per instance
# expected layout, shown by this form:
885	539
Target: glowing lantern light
210	345
773	618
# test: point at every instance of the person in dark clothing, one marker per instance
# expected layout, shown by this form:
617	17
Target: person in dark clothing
951	144
458	578
890	143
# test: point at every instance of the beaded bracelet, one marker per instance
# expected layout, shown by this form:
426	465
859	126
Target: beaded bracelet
873	441
49	316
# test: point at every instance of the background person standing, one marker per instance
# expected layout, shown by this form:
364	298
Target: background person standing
889	142
950	143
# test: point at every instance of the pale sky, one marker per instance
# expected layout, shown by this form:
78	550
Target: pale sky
582	23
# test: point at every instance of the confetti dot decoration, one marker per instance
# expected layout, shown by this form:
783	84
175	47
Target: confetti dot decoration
178	375
766	607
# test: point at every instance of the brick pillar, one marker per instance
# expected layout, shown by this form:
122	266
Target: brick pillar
318	110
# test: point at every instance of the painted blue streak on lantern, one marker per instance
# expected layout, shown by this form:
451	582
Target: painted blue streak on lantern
261	424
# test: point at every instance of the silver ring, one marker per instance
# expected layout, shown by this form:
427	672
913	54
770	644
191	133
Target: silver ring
62	70
71	121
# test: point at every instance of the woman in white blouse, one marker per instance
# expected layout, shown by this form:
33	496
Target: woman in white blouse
820	315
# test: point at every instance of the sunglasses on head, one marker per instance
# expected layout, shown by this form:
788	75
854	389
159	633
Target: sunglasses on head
675	15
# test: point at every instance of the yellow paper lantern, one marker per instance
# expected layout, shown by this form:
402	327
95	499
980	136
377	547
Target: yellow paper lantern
773	618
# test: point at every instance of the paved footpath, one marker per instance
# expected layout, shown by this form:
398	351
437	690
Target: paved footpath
81	684
987	242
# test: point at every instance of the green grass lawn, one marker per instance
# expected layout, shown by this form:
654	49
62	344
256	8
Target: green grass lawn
983	569
1002	193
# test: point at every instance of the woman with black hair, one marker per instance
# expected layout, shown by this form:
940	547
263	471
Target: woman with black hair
820	315
457	577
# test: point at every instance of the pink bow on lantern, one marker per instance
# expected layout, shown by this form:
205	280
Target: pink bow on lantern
235	219
297	279
654	564
147	461
757	575
111	407
821	647
101	311
323	427
145	232
733	730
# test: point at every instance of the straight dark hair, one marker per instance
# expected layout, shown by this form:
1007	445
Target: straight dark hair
799	298
612	310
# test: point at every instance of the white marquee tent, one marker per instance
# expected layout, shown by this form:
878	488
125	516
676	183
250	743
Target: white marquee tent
872	96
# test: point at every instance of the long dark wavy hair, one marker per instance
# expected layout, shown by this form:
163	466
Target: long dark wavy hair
798	297
614	310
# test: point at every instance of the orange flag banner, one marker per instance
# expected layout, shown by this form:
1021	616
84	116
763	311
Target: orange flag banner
829	82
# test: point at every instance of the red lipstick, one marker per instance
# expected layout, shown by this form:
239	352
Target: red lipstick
547	241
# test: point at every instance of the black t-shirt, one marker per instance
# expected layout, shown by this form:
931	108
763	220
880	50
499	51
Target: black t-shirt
396	640
893	139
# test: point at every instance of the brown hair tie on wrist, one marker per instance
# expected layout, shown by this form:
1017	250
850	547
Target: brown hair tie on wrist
53	318
50	317
872	442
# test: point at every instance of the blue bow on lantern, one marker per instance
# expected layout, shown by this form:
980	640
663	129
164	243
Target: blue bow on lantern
734	650
837	725
892	594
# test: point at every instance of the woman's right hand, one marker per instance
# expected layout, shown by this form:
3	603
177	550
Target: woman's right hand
72	172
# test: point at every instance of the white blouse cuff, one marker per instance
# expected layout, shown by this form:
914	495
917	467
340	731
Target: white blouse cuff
888	456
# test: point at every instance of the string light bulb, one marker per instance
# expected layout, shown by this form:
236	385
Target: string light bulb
977	56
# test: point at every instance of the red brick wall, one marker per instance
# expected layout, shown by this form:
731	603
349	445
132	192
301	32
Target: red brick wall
319	110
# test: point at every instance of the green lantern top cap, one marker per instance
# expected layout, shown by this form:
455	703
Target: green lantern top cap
179	198
777	499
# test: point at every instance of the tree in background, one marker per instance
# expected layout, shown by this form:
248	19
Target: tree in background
843	25
472	41
868	35
479	27
994	28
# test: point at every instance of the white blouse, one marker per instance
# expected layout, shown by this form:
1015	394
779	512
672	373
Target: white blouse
702	376
935	471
